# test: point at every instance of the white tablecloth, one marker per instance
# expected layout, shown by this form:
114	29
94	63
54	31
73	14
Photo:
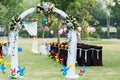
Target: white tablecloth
43	49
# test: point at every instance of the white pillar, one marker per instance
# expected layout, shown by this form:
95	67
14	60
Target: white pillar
14	50
71	59
36	43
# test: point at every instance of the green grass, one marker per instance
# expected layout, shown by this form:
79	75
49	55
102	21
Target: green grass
40	67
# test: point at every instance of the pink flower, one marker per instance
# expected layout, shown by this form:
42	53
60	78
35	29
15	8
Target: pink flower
91	29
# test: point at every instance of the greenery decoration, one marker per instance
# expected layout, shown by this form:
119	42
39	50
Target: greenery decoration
71	23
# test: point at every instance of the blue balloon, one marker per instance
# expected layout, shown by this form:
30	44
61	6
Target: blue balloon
19	49
44	20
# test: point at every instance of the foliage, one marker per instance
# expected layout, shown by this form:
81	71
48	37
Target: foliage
118	33
116	8
95	35
3	11
85	11
100	32
23	33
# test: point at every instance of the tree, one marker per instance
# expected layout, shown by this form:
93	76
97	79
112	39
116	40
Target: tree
82	10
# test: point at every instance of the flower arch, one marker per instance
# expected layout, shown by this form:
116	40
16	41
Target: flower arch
46	8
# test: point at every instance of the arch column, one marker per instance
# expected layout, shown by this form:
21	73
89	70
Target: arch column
14	52
71	59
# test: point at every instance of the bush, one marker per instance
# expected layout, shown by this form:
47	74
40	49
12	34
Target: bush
95	35
24	34
101	33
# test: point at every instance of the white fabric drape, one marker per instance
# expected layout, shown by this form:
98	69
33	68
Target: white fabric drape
28	11
31	27
72	54
62	13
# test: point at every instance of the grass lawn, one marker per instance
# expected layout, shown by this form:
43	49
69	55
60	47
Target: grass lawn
40	67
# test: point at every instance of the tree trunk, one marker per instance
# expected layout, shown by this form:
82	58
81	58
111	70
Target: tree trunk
58	39
108	26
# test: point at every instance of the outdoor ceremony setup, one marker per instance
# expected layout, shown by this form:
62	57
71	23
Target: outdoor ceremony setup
59	39
47	8
69	54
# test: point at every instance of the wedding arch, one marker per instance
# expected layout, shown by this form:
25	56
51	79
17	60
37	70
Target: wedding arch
46	8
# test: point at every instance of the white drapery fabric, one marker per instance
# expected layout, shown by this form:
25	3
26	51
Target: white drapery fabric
62	13
28	11
31	28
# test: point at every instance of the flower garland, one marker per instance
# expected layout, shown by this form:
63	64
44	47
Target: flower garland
71	23
45	7
15	23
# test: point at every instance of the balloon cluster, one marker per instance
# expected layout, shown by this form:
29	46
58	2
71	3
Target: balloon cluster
45	7
83	70
71	23
61	31
91	29
16	23
19	72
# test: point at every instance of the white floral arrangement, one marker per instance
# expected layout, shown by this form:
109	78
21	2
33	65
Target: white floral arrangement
45	7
